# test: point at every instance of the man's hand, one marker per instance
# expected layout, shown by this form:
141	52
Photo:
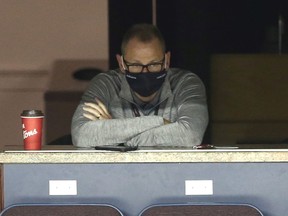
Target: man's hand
95	111
166	121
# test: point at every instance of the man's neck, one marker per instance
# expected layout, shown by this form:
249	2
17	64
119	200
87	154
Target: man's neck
146	99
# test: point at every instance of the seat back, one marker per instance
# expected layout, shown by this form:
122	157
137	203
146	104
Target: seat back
61	210
201	210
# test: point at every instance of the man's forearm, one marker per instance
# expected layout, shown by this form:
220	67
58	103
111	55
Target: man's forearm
86	133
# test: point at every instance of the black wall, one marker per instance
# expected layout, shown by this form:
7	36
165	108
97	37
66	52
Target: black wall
186	29
196	29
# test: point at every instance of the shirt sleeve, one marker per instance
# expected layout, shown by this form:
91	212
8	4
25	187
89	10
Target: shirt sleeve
87	133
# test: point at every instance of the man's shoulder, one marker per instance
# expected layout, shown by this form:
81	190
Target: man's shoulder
176	74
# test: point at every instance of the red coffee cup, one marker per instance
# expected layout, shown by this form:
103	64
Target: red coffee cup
32	123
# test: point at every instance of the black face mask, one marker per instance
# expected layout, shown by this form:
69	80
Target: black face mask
145	84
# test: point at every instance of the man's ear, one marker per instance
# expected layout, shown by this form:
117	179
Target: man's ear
120	62
167	59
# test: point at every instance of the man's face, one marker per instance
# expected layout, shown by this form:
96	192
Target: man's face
146	53
139	54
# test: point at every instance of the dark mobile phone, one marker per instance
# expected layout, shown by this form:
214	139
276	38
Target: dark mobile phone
120	148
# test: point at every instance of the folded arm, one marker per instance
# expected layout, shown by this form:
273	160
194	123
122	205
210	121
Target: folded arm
90	133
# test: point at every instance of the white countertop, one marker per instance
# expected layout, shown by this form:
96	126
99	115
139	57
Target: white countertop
70	154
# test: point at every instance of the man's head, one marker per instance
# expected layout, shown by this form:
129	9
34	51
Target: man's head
144	33
144	58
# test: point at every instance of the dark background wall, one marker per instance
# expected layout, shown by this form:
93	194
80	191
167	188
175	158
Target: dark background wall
196	29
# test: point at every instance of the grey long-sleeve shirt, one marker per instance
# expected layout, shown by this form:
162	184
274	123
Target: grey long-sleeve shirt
182	101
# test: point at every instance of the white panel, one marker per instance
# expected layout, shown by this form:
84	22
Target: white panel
62	187
198	187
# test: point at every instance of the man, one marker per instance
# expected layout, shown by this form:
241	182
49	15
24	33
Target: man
144	102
